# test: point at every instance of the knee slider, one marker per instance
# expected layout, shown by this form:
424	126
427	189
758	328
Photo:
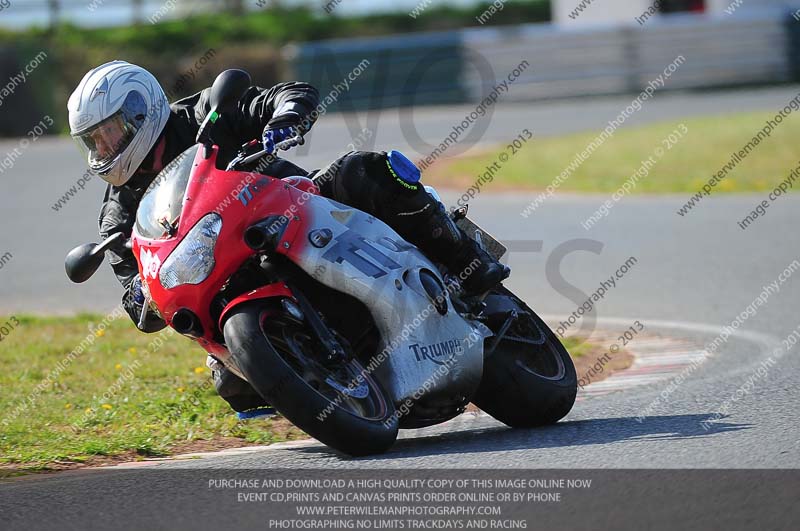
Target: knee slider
393	171
403	170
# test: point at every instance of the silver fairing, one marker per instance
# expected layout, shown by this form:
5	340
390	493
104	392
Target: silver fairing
422	353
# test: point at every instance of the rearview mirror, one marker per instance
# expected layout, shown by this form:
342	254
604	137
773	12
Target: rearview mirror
83	261
228	89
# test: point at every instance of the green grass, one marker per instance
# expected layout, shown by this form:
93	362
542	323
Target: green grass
157	397
702	152
279	25
163	397
577	346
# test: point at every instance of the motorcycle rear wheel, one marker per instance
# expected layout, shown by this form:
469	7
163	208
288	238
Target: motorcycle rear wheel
273	352
527	384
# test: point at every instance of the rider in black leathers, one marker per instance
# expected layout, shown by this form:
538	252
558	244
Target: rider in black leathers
364	180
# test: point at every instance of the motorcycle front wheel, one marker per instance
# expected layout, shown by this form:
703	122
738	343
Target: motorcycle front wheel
341	405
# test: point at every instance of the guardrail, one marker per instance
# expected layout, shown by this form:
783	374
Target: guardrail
461	66
404	70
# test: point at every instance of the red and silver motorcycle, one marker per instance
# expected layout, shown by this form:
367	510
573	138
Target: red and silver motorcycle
349	331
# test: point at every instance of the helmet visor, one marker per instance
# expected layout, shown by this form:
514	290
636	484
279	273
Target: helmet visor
106	141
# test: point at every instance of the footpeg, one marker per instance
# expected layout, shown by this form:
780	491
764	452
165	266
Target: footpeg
459	213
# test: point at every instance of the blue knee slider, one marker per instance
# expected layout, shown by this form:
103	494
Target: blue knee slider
255	413
403	169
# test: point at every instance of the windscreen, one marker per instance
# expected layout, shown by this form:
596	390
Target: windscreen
162	203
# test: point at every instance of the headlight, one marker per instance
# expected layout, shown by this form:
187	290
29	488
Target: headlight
193	259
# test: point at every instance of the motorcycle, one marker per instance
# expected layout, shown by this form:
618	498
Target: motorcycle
349	331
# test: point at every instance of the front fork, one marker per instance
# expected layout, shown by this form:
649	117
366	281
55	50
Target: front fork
334	350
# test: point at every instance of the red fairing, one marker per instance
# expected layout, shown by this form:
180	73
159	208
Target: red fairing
273	290
241	199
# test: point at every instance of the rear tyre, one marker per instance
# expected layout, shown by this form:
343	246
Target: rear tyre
530	383
279	357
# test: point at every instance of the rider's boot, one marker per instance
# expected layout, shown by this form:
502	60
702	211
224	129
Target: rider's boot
238	393
423	221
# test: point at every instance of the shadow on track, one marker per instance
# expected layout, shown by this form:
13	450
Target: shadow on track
564	434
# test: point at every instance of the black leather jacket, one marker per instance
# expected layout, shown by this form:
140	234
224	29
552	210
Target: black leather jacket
256	109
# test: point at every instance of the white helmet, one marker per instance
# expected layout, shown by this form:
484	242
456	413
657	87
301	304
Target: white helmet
116	115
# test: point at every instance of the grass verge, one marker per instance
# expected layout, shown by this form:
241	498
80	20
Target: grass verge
702	152
578	347
126	396
123	395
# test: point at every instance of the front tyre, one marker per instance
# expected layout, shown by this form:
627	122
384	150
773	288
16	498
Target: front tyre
529	380
279	357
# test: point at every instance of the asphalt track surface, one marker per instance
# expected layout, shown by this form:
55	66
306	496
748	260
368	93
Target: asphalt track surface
39	237
693	275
